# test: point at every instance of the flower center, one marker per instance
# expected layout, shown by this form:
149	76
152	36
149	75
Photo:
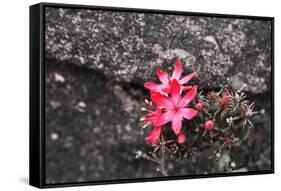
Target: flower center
176	109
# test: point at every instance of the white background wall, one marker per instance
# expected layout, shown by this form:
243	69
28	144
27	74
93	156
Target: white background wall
14	93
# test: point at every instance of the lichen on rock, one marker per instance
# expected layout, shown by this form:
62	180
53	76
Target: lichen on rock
128	46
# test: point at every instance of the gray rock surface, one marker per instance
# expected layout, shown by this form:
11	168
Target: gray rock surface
127	47
93	131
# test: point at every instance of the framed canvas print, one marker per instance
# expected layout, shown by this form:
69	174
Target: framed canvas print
126	95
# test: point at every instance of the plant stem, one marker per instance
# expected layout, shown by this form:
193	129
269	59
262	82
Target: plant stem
147	157
162	161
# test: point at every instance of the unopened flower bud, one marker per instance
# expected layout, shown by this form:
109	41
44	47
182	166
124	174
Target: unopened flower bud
181	138
209	125
212	95
224	101
200	106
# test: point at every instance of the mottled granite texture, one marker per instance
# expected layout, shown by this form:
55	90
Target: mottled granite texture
128	46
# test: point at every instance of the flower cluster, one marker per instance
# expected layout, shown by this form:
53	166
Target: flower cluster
186	123
171	101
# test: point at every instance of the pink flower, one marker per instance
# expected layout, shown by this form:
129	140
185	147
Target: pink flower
181	138
209	125
153	117
165	87
154	135
175	107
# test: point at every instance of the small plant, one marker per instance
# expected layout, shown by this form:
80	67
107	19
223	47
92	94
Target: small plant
185	123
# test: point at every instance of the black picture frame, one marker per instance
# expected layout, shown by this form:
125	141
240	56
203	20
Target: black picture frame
37	94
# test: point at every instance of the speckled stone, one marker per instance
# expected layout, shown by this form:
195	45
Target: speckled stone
93	130
128	46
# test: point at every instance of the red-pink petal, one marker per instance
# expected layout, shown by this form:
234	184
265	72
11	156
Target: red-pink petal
175	91
188	113
181	138
188	78
166	89
176	124
154	87
154	135
177	70
164	118
161	100
151	86
163	76
188	97
151	118
184	88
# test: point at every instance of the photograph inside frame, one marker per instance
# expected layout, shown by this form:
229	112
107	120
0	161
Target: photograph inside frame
131	95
